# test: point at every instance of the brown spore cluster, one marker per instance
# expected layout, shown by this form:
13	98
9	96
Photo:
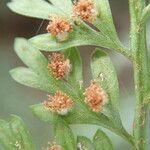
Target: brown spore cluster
59	102
95	97
59	66
85	9
59	25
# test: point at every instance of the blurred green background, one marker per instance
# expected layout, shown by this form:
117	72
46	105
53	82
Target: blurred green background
16	99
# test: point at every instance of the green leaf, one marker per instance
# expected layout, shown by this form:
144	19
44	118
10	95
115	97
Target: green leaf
75	78
6	136
101	141
104	21
29	78
38	75
34	8
78	37
14	135
44	114
82	34
21	133
32	57
84	143
64	5
78	115
64	136
104	73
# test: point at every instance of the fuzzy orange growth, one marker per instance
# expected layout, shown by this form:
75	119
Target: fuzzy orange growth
58	26
59	66
86	10
60	103
95	97
55	147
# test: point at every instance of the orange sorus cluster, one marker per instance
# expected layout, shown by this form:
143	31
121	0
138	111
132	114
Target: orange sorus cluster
60	103
85	9
95	97
59	27
59	66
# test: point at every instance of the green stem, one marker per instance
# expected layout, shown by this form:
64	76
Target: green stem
141	71
140	75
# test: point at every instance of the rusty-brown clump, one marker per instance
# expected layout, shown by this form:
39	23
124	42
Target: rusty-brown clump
60	103
95	97
85	9
58	26
59	66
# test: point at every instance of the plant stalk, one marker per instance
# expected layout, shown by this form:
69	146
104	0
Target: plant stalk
141	88
141	71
